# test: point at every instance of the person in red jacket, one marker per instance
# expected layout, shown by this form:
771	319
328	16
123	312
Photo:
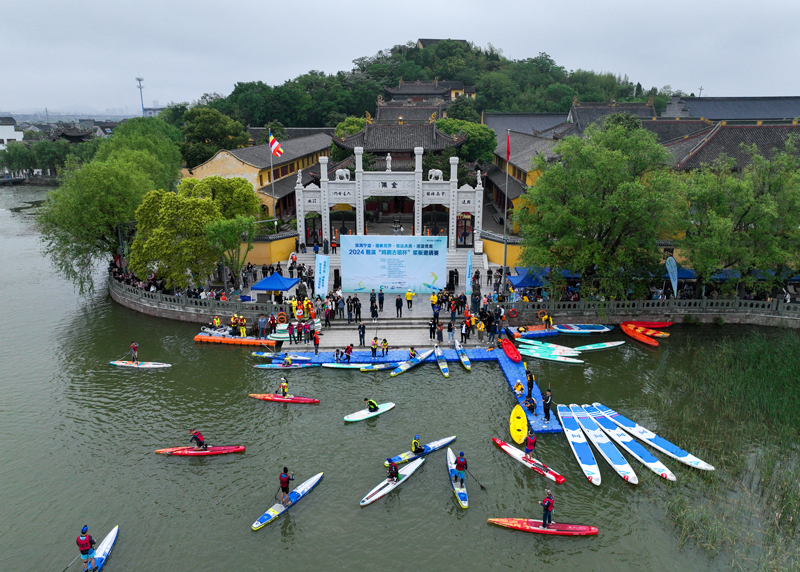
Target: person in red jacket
393	474
198	438
548	504
86	544
530	445
461	466
284	478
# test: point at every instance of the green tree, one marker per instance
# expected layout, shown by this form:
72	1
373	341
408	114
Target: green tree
171	238
747	220
206	131
233	197
17	157
480	141
51	154
277	129
78	221
463	108
173	114
232	239
601	208
349	126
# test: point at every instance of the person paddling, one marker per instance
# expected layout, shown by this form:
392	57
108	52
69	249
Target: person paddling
135	352
393	474
372	405
416	447
287	360
86	543
283	388
198	438
412	353
530	445
548	504
285	477
461	466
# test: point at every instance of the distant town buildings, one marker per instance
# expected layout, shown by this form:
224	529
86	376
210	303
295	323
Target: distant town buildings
9	131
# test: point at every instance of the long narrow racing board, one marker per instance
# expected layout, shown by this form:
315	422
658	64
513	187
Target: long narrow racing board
299	492
462	355
628	443
281	366
535	526
427	448
282	399
407	365
604	445
366	413
273	355
379	366
140	364
190	452
437	351
550	357
598	347
103	550
578	444
343	365
582	329
536	465
458	489
385	487
654	440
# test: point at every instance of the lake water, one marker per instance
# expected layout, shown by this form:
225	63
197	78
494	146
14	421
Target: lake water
79	439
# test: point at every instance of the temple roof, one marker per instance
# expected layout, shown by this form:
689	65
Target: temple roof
498	177
524	148
409	114
522	122
378	138
260	155
584	114
734	108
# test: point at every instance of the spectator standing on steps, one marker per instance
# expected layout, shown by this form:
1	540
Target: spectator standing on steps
409	298
362	332
380	300
451	332
357	307
432	328
399	305
440	332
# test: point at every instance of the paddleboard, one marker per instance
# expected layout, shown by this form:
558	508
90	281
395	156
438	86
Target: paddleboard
536	465
551	357
598	347
140	364
103	550
630	331
366	413
582	329
281	366
428	448
282	399
299	492
535	526
343	365
380	366
649	324
549	351
648	331
628	443
578	444
407	365
458	489
462	355
518	425
511	351
385	487
272	355
606	448
654	440
190	452
441	361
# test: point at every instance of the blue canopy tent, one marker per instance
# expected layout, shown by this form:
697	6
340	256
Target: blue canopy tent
529	278
683	273
275	282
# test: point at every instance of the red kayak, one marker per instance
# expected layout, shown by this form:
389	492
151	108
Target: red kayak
282	399
654	325
556	528
639	337
190	452
511	351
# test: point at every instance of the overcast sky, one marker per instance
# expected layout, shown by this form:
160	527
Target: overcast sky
83	55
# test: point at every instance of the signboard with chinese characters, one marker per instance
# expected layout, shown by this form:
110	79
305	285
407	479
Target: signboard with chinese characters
395	263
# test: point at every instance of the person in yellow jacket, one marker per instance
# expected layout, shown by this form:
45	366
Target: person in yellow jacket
242	326
374	347
434	299
409	298
384	347
293	302
234	324
481	328
217	323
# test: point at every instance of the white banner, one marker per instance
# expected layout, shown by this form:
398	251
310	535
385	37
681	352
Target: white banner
321	271
395	263
672	270
468	277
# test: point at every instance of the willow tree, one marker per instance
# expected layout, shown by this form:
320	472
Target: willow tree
600	208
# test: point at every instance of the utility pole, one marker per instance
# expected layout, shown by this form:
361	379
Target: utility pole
700	91
47	115
141	96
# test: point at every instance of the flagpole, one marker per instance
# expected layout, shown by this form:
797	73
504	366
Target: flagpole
272	181
505	213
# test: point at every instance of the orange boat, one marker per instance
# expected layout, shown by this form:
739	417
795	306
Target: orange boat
649	324
648	331
639	337
248	341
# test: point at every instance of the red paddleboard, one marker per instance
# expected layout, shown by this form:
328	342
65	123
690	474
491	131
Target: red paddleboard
282	399
649	324
511	351
556	528
190	452
631	331
537	466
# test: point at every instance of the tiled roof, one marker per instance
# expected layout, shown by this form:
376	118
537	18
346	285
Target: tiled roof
408	113
681	148
7	121
728	139
285	186
259	155
559	131
667	130
256	133
584	114
378	138
524	148
419	88
734	108
523	122
498	178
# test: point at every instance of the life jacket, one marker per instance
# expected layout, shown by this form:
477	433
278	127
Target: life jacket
284	480
316	338
234	321
287	361
461	464
412	354
198	435
372	404
415	445
84	545
385	344
135	347
348	350
549	504
530	443
374	344
284	388
393	472
242	321
217	322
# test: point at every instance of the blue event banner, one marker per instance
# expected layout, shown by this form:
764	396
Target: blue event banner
321	271
395	263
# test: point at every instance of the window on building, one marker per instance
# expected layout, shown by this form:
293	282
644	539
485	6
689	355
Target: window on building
292	167
260	180
10	140
284	170
1	141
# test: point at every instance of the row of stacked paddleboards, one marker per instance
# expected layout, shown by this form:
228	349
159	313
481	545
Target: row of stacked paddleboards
557	353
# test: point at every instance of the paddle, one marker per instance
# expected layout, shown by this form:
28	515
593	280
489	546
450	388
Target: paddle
476	480
120	359
71	563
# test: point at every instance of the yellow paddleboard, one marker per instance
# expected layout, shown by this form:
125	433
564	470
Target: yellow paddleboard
518	425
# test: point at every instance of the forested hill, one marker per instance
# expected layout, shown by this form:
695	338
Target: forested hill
535	84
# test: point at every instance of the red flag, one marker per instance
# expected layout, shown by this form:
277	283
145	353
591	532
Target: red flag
508	146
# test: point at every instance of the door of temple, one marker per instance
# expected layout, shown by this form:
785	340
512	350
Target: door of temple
464	235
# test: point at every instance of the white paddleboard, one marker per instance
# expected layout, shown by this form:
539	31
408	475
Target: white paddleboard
458	489
140	364
299	492
606	448
579	445
103	550
407	365
366	413
600	346
385	487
